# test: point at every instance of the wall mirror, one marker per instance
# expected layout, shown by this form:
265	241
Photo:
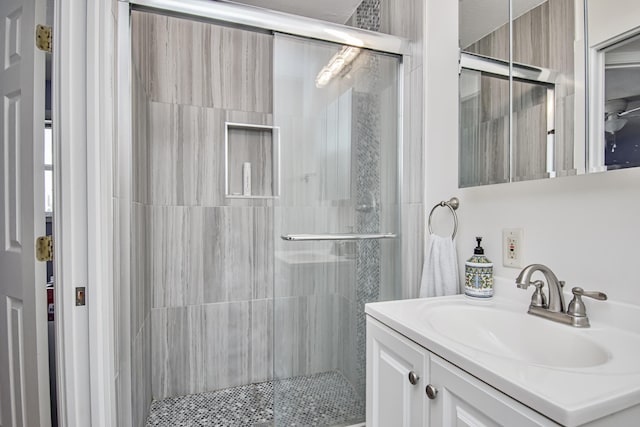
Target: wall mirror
613	35
522	98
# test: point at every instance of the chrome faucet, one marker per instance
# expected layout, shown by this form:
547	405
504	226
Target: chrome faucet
556	298
575	314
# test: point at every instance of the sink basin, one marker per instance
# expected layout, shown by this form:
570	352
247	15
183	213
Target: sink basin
572	375
516	336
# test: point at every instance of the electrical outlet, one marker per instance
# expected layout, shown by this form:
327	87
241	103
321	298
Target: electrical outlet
512	244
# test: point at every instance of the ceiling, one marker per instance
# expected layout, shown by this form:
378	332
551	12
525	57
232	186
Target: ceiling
338	11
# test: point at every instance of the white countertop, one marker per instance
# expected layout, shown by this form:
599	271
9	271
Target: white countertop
569	396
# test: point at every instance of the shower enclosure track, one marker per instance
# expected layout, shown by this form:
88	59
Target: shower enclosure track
312	237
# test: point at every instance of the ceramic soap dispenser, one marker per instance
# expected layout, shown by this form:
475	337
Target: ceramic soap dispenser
478	274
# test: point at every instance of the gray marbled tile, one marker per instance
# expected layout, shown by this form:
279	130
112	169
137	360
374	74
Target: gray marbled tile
261	329
117	285
141	374
413	154
209	347
405	18
309	272
306	332
140	290
123	393
348	351
139	140
186	154
205	255
228	254
177	270
562	37
530	143
531	37
177	342
197	63
495	44
413	225
263	252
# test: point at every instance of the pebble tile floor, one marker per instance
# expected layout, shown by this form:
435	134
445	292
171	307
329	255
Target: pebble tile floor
325	399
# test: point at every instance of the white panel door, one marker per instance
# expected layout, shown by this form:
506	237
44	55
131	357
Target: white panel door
392	399
24	387
464	401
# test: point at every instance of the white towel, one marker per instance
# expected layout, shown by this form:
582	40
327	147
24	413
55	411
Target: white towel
440	271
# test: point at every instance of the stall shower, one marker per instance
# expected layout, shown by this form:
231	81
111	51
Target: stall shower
265	215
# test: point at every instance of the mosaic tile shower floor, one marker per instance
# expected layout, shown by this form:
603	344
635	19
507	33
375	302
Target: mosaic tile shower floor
326	399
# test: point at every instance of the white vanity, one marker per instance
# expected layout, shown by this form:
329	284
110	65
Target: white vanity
453	361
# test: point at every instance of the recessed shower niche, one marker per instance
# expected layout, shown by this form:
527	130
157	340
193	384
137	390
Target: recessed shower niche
252	167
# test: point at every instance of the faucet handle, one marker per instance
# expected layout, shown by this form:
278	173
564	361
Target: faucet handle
591	294
576	306
539	299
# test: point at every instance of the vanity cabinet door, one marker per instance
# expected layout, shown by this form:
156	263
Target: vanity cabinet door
392	399
463	400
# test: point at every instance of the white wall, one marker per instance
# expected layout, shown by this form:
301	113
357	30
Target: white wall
586	228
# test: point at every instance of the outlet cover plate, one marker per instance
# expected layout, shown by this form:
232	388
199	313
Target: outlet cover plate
512	244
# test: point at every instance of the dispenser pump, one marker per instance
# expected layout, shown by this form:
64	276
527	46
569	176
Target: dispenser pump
478	273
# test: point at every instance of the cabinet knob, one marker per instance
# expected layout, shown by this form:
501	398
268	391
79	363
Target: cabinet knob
432	392
413	378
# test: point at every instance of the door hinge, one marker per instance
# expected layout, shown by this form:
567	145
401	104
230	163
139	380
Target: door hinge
43	38
44	248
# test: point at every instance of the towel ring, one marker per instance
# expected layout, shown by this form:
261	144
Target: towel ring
452	204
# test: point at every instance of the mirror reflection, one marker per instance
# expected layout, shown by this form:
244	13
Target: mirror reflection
520	114
622	104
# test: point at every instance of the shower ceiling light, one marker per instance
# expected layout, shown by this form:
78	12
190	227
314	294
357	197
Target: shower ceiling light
338	62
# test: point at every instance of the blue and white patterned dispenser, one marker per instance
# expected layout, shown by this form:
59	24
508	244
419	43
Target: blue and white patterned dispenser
478	274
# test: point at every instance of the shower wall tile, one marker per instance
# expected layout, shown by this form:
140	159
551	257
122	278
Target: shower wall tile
531	37
177	270
565	135
305	331
186	153
405	18
413	155
561	33
140	266
122	283
530	143
140	140
123	394
263	253
141	374
228	254
206	255
209	347
117	285
495	44
261	327
413	225
177	340
237	77
305	273
347	339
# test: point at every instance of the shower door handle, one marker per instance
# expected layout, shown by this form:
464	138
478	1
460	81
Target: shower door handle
348	236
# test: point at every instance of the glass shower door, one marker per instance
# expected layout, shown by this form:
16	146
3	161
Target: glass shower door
336	223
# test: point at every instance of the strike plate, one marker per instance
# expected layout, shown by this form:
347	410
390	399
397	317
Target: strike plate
81	295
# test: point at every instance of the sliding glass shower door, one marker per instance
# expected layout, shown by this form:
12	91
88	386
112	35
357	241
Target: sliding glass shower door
336	222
